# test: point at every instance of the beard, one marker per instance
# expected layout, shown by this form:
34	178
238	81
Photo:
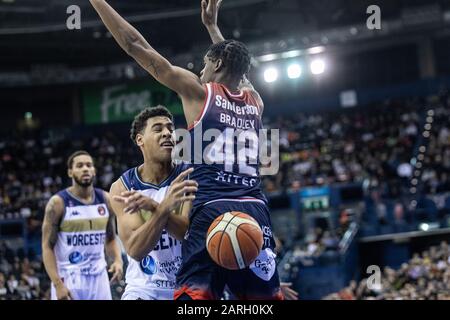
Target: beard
83	183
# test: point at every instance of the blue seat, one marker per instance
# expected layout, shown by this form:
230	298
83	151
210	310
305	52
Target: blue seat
427	209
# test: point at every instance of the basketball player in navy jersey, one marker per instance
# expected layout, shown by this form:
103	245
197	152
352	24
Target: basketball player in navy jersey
218	100
210	11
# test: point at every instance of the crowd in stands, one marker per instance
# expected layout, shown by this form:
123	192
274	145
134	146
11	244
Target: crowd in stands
425	277
372	145
21	278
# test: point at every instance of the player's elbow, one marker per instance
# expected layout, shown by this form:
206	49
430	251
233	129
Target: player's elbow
134	250
130	47
46	247
133	47
137	254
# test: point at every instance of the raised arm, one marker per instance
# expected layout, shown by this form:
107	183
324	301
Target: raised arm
182	81
50	227
210	12
139	236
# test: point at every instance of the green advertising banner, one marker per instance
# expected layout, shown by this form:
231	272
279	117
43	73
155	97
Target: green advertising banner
121	102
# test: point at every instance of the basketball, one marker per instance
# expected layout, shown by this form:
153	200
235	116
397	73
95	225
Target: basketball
234	240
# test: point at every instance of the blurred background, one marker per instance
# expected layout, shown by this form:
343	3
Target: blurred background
364	119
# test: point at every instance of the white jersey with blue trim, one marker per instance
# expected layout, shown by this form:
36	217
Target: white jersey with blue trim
80	247
154	275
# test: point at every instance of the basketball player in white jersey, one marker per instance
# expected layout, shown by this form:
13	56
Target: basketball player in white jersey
78	227
148	202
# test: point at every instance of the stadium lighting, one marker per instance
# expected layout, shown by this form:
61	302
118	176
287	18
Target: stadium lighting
294	71
270	75
317	66
424	226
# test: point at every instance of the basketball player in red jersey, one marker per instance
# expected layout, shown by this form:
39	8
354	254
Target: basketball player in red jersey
210	11
227	171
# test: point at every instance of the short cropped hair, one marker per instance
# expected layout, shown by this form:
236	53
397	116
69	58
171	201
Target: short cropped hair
72	157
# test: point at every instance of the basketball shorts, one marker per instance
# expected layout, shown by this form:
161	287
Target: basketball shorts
200	278
85	287
139	293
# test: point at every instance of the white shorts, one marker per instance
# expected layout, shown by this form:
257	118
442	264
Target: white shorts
85	287
139	293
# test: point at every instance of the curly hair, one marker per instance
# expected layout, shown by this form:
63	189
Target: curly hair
234	54
140	121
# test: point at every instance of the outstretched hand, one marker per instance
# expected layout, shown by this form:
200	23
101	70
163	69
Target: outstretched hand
116	269
210	10
288	292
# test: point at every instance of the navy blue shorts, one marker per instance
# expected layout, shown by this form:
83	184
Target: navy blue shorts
200	278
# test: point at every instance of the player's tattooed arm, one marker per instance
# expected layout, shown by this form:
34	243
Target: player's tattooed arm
52	219
182	81
210	11
50	228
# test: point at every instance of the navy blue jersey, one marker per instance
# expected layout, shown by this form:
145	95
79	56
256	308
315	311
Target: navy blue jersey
132	181
71	200
225	146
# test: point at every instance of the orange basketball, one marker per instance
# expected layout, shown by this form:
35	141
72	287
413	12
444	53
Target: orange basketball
234	240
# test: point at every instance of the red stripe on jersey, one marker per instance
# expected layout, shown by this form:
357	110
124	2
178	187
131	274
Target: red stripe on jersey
252	97
205	102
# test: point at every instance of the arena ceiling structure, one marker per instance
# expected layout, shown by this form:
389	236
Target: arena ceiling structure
34	31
